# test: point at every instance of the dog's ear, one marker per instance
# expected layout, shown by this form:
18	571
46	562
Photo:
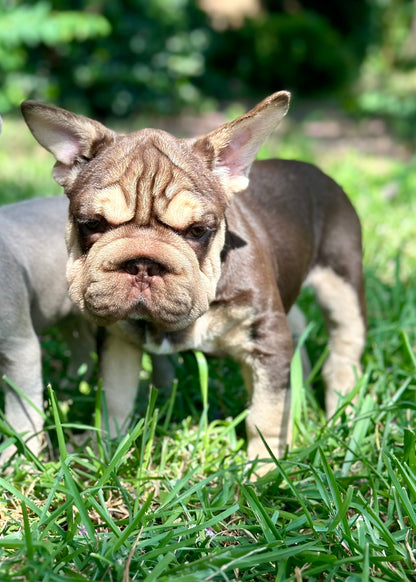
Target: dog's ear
72	139
231	149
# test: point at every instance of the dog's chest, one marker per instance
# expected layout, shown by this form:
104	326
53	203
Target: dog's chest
223	330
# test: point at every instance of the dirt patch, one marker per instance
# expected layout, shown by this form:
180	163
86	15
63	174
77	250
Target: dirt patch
340	132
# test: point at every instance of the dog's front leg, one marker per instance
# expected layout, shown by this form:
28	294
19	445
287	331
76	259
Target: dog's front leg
21	363
266	374
119	369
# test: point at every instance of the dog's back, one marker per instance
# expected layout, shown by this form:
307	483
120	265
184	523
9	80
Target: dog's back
33	260
305	217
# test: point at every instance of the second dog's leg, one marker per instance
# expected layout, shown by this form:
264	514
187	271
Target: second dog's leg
120	369
341	305
21	363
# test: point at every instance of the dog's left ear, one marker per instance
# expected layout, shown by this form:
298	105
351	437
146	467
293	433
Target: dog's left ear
72	139
231	149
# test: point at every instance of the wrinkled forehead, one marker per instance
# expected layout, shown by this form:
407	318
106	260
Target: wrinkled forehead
147	174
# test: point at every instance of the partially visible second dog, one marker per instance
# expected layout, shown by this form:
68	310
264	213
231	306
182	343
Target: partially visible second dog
33	298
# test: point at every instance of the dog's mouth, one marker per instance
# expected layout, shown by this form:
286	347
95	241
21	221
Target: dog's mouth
141	289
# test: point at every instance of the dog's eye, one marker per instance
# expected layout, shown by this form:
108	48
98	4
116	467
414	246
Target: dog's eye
197	231
93	225
90	230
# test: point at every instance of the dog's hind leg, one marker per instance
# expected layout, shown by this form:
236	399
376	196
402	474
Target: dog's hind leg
342	301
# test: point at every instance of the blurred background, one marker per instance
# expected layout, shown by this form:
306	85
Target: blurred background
118	59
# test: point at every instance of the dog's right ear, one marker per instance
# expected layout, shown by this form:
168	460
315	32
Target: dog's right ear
72	139
231	149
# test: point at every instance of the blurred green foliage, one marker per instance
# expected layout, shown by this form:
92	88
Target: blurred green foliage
286	55
27	30
130	54
154	52
117	58
387	84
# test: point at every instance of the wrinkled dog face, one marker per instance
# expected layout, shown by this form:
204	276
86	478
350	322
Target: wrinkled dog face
146	233
147	225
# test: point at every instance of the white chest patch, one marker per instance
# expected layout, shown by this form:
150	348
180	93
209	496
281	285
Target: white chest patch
164	347
220	331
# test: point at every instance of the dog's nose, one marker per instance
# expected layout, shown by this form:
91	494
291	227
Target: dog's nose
143	268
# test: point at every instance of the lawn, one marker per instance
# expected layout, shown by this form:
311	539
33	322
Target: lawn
173	501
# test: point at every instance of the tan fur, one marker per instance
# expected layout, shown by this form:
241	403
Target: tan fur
183	210
111	204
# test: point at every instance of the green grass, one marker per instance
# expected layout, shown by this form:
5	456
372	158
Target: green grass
173	501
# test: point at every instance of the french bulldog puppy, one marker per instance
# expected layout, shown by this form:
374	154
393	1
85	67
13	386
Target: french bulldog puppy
189	243
33	298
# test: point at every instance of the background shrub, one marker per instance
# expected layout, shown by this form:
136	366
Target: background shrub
117	58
